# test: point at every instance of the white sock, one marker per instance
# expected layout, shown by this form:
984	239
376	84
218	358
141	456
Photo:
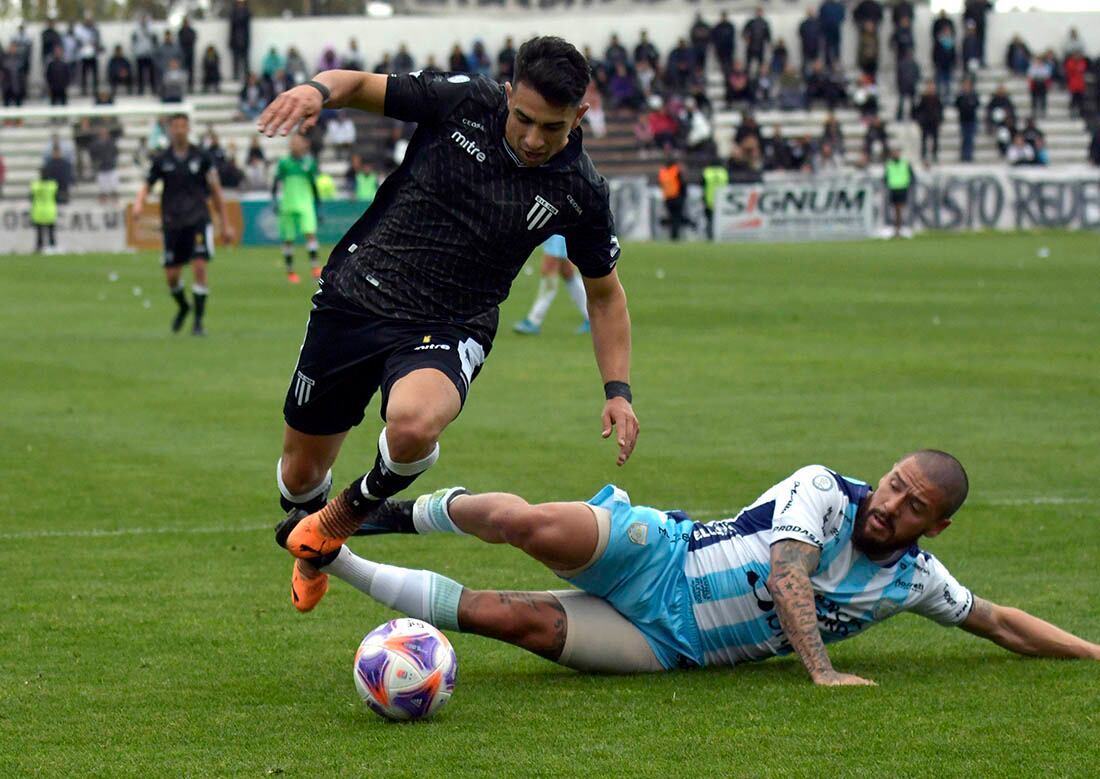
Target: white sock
577	293
548	288
419	594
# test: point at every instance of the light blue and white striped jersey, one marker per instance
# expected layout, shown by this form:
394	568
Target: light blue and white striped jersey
728	562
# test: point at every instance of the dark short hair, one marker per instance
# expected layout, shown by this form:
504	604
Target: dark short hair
178	115
947	473
554	68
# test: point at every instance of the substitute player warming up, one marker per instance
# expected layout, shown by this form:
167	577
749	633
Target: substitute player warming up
189	178
409	298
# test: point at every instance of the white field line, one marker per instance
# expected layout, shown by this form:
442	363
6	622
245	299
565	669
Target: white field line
1041	500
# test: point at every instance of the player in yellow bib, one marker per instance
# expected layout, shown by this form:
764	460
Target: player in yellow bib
297	208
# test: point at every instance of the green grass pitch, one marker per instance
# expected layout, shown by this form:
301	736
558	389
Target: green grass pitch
146	627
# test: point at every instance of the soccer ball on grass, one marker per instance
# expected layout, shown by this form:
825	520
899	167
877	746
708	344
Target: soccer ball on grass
405	670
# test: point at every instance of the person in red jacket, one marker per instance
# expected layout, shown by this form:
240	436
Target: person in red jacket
1075	67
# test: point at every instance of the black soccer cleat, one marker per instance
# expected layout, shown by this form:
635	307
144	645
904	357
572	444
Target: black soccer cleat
391	516
180	318
198	329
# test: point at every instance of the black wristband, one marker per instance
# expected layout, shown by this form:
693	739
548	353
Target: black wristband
325	93
617	389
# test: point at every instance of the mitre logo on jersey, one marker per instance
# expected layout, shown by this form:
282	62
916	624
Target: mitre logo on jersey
540	213
468	145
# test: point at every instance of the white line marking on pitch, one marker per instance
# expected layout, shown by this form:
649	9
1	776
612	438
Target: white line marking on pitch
131	531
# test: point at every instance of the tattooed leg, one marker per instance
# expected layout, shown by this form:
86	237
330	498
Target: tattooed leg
534	621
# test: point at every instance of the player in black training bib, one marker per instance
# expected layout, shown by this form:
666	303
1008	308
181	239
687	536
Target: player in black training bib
189	178
409	298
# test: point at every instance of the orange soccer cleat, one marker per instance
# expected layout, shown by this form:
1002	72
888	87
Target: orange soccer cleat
307	586
293	277
322	533
316	271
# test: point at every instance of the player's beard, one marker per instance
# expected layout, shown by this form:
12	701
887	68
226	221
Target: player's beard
876	550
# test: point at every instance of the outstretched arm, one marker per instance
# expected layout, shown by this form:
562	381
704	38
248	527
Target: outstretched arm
1020	632
302	104
610	320
792	562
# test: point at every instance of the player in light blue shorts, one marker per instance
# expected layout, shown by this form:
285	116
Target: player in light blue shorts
555	263
816	558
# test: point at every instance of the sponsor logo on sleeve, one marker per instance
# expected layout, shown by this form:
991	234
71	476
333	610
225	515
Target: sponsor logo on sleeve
823	482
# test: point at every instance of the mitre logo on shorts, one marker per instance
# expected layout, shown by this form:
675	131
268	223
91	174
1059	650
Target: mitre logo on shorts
540	213
427	346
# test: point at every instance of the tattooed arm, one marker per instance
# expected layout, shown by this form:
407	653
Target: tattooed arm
1024	634
792	562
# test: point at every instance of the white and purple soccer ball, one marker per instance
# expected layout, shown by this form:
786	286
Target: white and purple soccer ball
405	670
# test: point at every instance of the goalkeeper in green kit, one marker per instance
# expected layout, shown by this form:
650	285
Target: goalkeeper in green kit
297	209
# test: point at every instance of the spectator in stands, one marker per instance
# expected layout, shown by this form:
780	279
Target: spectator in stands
790	95
1042	155
664	128
403	61
351	59
944	53
1094	146
430	66
23	46
622	89
747	161
596	68
187	38
724	37
506	60
1017	56
89	48
777	151
810	37
143	45
1000	110
595	117
211	70
252	99
967	104
229	171
1038	81
240	38
119	72
12	76
817	84
273	61
700	132
875	141
1076	67
458	62
802	154
865	97
681	62
167	51
328	59
296	68
256	166
975	11
1020	152
615	53
60	169
867	11
739	88
901	40
645	75
103	152
831	14
340	134
700	39
645	51
49	39
173	82
867	49
480	61
671	179
3	174
825	159
833	135
908	76
1032	133
72	51
899	178
278	83
780	58
1073	44
928	114
971	51
58	76
757	34
746	127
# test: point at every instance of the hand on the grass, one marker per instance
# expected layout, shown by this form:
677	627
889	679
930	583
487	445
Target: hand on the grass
619	414
836	679
299	106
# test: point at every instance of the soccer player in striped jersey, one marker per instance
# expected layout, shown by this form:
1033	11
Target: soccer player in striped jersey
817	558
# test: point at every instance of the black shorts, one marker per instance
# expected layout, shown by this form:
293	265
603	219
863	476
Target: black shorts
183	244
347	356
899	197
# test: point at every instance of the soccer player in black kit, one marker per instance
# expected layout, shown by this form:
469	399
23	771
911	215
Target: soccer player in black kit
409	298
189	178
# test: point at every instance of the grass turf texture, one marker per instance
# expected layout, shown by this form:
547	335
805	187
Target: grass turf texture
147	628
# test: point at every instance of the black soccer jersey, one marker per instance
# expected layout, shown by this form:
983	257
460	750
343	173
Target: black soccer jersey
183	201
451	228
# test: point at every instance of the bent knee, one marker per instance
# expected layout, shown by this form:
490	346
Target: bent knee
300	475
411	435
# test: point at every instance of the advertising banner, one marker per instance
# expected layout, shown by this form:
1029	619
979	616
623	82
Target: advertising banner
145	233
811	209
334	217
82	226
